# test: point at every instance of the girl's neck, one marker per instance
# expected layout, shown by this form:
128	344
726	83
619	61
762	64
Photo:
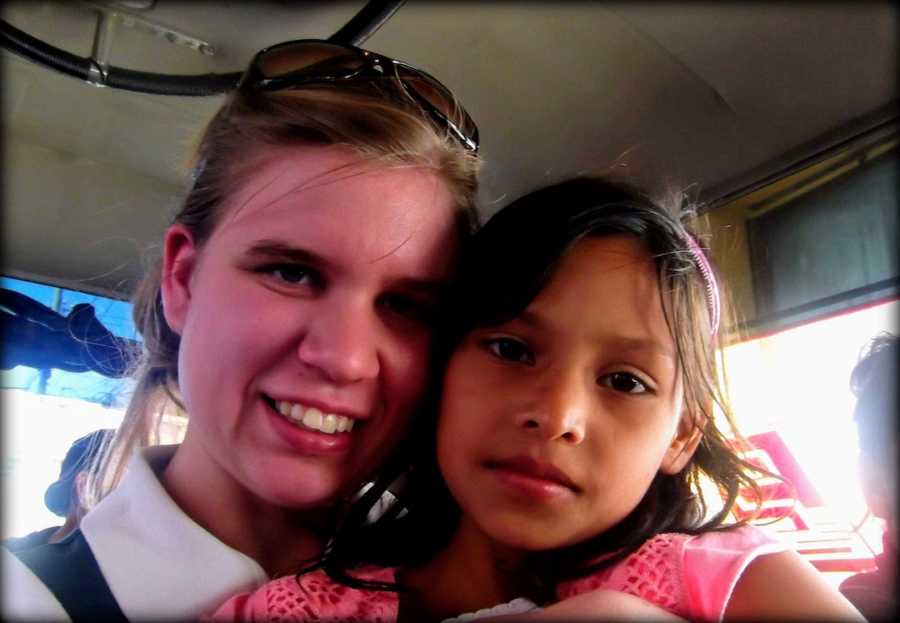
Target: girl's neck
281	540
470	574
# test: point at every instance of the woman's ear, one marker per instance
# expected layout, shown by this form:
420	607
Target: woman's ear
178	262
687	438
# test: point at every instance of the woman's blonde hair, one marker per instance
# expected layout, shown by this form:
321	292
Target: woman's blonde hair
373	119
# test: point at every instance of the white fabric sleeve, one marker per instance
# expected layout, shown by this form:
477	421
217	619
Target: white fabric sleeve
23	596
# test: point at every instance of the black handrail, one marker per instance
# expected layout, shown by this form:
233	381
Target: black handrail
360	27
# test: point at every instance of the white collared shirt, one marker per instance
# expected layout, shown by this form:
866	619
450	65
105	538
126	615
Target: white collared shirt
158	562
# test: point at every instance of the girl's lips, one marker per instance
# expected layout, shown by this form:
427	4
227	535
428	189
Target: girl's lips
304	440
536	480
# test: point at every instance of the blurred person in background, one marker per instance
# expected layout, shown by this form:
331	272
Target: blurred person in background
874	382
64	497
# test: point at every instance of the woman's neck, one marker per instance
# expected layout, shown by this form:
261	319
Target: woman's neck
281	540
470	574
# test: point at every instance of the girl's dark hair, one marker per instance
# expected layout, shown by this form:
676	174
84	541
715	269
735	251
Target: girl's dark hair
504	268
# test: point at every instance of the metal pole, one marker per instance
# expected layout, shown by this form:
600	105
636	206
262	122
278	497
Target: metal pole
45	372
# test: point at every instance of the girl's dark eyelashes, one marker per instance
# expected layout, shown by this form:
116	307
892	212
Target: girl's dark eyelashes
625	382
291	274
509	349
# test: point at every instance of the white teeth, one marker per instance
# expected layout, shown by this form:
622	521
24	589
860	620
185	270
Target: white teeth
313	418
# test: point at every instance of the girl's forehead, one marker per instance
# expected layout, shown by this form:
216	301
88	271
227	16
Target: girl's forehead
605	265
606	286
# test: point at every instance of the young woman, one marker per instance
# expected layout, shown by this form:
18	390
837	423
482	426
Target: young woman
290	318
575	424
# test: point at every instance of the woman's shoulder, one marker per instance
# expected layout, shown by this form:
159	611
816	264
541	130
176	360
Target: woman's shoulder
313	596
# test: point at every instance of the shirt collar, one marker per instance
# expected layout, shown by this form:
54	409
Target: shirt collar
158	562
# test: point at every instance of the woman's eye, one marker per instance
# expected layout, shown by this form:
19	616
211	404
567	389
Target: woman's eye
509	349
624	382
290	273
411	308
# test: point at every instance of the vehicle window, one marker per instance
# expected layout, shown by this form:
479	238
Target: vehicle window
46	408
812	262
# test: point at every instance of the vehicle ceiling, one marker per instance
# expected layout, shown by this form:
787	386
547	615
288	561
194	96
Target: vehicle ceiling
707	96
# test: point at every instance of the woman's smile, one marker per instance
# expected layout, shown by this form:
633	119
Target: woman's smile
328	341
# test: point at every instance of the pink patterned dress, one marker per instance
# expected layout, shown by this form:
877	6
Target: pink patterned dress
691	576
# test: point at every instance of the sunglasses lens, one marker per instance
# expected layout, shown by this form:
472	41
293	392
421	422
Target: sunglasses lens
438	96
307	58
305	62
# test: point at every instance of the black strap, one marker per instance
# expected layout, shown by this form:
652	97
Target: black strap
68	568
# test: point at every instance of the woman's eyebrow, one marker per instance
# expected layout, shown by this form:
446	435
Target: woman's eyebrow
278	250
275	249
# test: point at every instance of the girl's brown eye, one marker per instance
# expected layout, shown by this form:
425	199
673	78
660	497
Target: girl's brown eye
509	349
624	382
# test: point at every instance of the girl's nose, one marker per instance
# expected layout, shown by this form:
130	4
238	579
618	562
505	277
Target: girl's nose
341	345
560	408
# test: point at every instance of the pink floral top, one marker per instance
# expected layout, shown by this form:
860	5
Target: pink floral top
691	576
314	596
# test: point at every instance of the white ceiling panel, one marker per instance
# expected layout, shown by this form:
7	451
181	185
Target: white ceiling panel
710	96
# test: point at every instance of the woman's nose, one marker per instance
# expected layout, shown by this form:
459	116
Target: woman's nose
560	408
342	344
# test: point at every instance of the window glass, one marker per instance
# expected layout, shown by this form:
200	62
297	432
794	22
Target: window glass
84	386
811	262
791	397
46	409
838	239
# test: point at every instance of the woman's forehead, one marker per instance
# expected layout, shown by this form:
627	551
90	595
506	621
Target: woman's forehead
279	171
344	210
340	182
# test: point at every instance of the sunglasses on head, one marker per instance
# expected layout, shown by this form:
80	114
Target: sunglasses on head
307	62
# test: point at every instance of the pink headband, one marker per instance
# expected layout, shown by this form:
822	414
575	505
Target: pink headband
712	288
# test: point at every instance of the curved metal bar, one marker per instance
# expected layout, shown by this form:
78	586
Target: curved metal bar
360	27
367	22
47	55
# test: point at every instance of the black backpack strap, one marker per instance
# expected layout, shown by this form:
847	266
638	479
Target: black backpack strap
68	568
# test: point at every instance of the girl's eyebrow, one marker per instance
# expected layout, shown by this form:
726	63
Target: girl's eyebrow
641	345
619	342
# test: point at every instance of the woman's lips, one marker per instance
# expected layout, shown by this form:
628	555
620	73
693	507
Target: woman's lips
306	440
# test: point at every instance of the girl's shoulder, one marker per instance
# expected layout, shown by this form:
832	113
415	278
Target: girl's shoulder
684	574
315	596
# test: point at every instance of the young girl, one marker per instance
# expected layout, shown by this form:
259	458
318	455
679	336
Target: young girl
575	423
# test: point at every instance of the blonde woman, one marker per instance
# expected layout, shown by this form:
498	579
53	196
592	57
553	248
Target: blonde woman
290	318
